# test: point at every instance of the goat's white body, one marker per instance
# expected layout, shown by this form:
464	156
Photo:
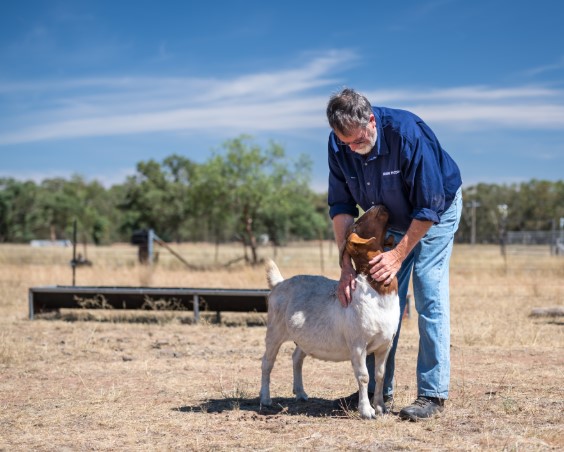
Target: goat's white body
306	310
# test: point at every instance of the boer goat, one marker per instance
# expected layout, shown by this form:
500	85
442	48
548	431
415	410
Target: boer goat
305	309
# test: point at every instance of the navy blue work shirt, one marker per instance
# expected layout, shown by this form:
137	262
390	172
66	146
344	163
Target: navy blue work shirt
407	170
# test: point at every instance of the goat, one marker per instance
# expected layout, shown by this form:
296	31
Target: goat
306	310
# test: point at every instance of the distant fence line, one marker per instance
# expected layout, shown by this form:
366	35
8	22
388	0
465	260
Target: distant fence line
534	237
553	239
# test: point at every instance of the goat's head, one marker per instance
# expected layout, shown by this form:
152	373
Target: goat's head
366	238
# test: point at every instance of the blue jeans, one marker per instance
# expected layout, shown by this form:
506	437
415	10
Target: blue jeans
429	263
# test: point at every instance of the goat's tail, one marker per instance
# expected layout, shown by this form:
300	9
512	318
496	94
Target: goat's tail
273	275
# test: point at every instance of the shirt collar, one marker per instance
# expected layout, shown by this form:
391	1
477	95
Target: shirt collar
381	147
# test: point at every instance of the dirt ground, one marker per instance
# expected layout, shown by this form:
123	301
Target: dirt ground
164	383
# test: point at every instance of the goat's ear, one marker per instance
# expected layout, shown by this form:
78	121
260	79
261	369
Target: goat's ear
354	239
389	241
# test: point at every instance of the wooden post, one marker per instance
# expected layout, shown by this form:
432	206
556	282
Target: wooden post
73	263
196	307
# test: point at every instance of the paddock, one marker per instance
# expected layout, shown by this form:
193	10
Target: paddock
162	383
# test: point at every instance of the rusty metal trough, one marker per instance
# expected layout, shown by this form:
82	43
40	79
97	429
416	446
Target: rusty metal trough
53	298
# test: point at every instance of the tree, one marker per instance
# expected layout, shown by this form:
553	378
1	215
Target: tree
244	175
255	188
158	197
294	212
17	204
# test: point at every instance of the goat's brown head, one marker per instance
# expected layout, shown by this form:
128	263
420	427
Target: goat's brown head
366	238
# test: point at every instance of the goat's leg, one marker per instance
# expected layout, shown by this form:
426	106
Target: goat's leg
298	361
358	360
275	337
380	358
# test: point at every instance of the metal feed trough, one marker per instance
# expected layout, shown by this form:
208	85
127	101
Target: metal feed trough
53	298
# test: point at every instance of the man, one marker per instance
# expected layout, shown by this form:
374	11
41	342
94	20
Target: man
386	156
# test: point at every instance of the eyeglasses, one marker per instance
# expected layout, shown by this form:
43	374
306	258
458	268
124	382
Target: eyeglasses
357	142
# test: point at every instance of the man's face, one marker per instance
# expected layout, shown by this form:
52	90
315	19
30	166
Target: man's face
362	140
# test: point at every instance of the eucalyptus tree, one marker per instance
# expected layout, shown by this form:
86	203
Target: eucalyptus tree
157	197
17	204
252	190
292	212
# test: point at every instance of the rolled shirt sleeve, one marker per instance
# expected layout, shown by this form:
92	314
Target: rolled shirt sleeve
424	176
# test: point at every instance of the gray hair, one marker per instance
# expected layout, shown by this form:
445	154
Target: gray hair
348	111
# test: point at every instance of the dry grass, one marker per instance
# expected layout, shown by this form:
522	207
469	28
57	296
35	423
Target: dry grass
168	384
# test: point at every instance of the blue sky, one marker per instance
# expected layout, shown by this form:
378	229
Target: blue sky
93	87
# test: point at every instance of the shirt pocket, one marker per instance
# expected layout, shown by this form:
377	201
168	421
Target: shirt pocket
391	185
392	182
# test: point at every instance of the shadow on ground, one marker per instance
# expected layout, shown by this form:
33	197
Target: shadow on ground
314	407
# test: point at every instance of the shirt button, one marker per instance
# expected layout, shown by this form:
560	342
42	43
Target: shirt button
367	183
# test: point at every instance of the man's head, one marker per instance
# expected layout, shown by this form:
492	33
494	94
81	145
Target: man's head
350	116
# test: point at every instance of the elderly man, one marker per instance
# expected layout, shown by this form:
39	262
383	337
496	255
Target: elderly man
387	156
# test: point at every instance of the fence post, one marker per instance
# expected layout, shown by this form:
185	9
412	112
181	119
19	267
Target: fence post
196	307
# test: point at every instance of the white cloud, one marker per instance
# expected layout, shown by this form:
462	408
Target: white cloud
533	72
468	93
266	101
472	116
471	107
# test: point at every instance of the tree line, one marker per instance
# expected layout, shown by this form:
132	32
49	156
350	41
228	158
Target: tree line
241	193
536	205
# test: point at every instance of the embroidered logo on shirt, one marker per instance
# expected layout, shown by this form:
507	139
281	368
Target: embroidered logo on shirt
390	173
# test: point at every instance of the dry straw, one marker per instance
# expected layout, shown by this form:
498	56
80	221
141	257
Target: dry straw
155	381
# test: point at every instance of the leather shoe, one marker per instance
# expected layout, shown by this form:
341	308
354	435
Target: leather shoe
422	408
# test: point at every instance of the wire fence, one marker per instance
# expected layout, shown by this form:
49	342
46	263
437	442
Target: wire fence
527	241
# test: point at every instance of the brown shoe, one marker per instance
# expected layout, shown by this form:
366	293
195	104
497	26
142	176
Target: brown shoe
422	408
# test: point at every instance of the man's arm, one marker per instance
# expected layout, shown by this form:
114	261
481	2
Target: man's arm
347	282
385	266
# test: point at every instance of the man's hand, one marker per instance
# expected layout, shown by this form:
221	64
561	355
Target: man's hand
347	284
385	266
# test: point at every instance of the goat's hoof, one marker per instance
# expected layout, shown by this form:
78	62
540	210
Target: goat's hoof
368	416
367	413
266	402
